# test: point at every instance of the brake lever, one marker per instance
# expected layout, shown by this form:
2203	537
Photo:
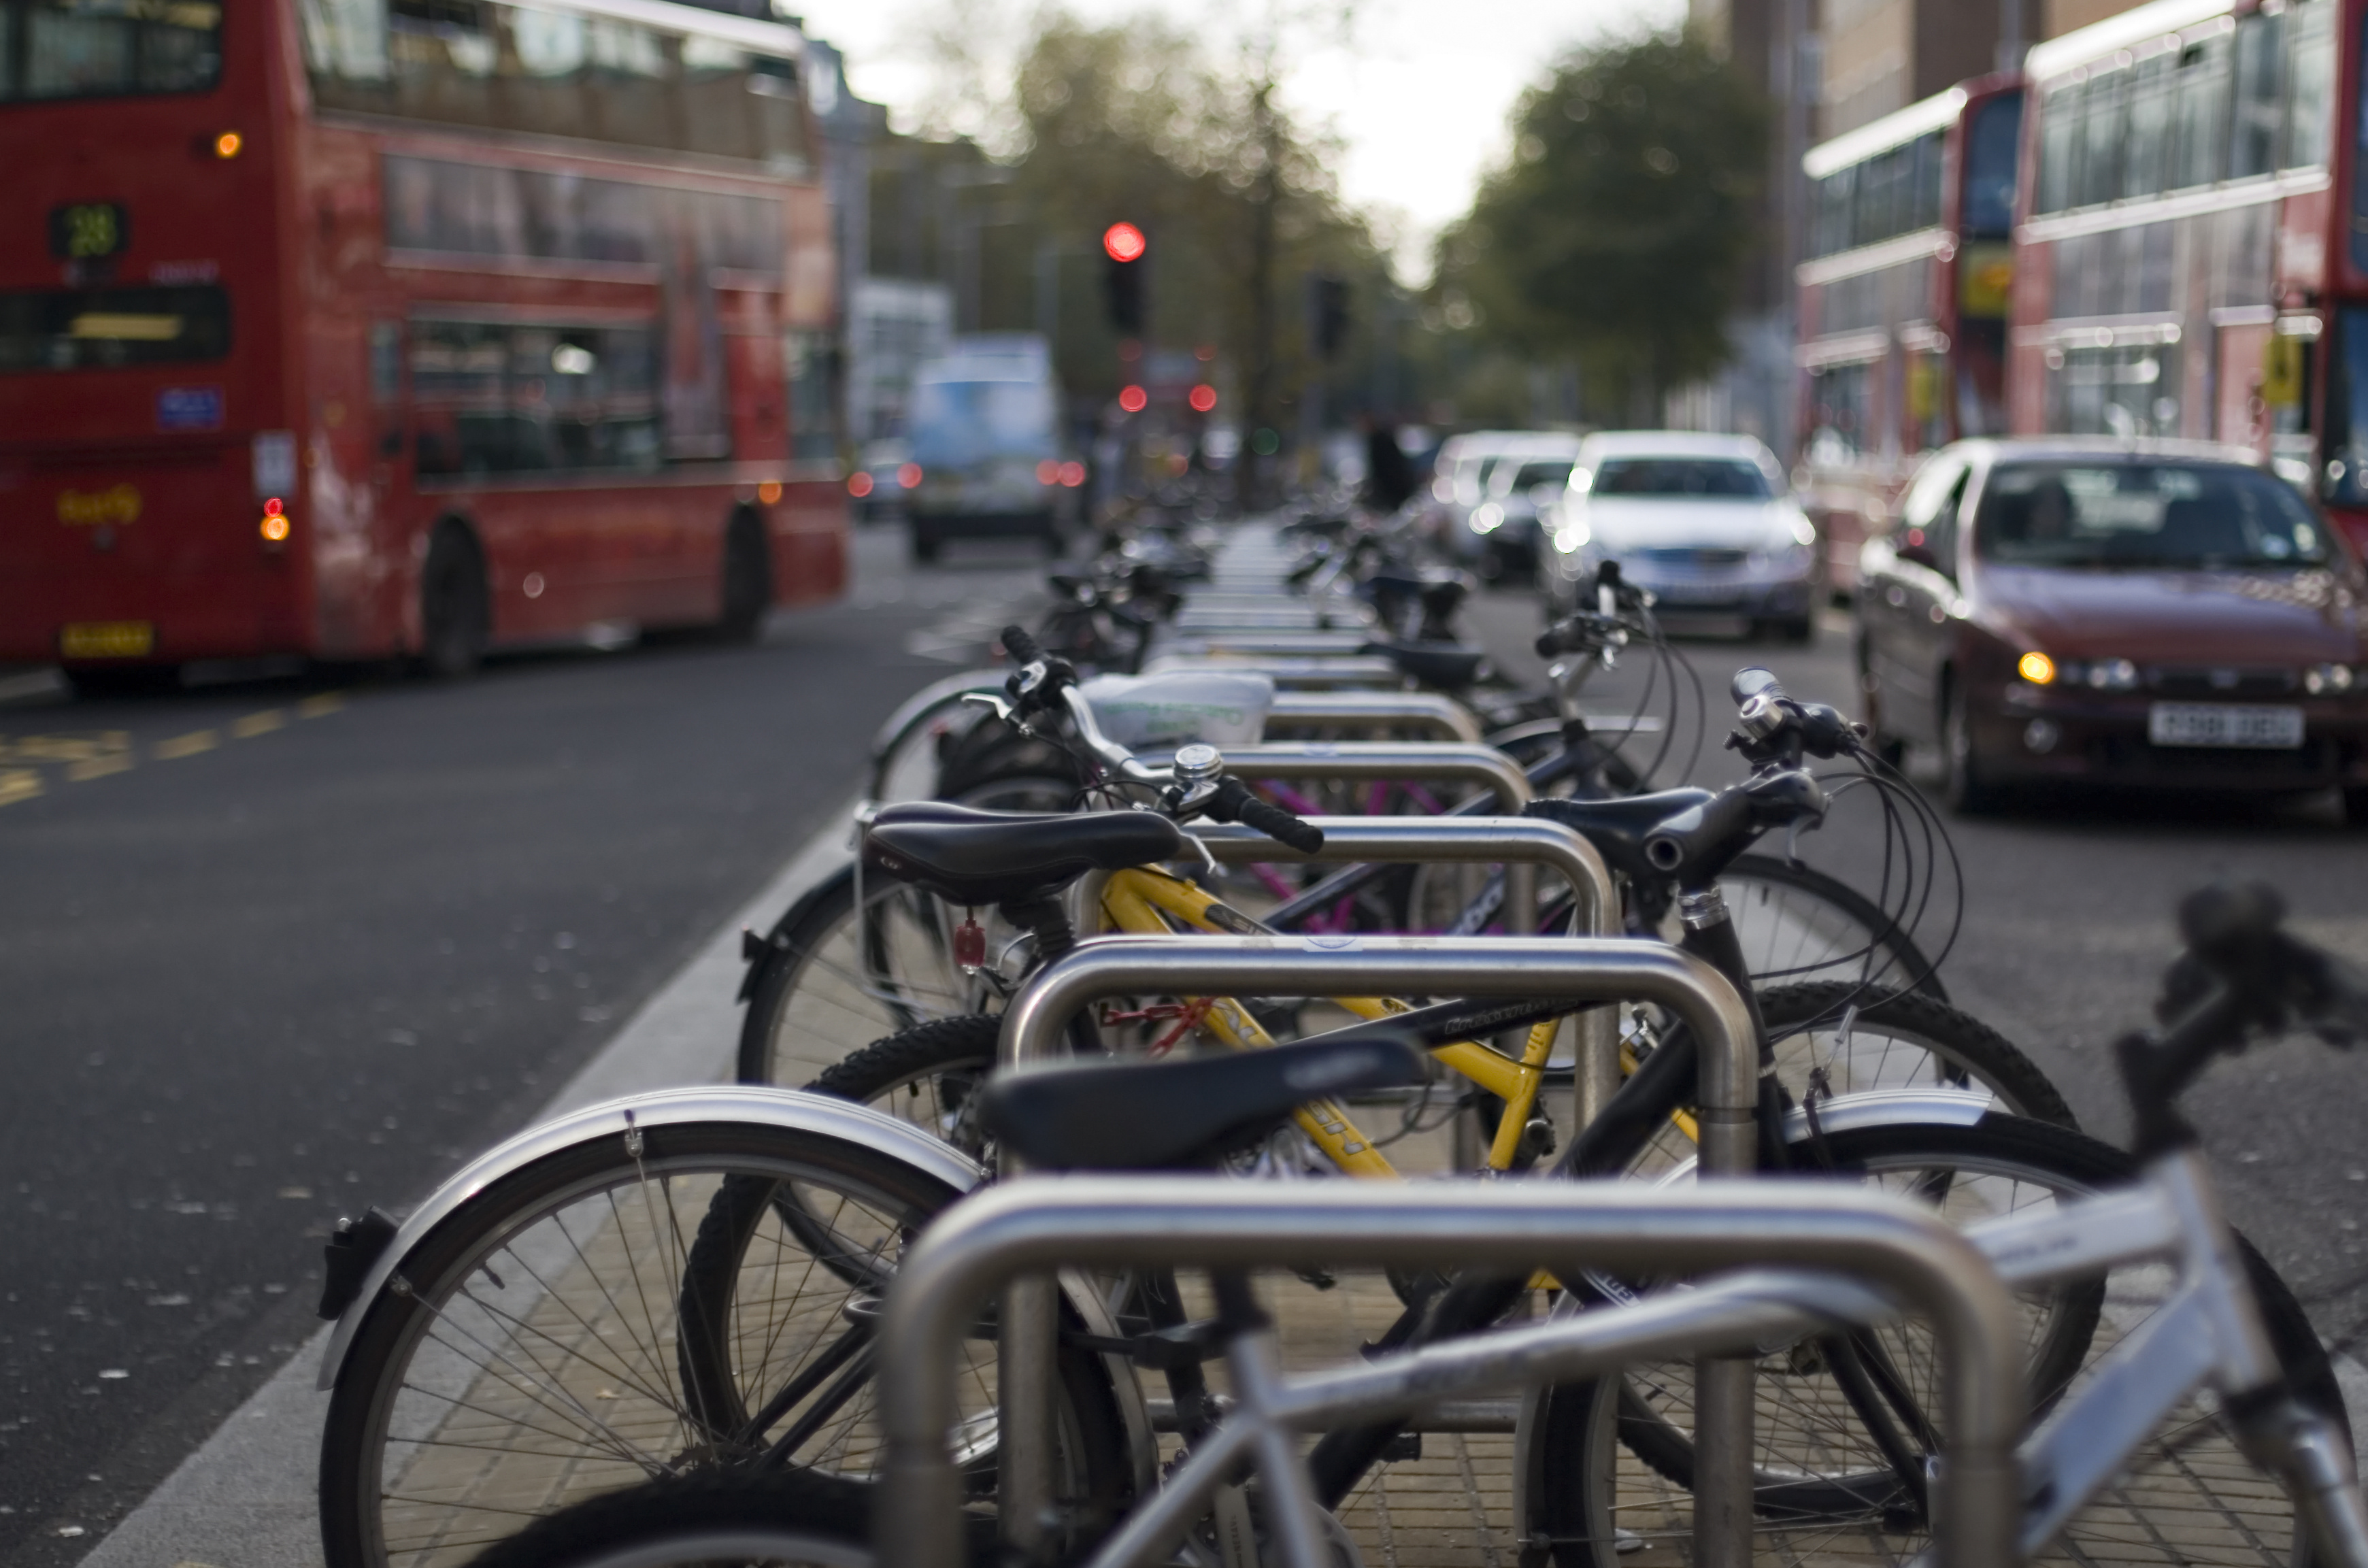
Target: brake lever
995	704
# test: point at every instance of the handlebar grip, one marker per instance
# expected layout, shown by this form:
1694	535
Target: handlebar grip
1234	802
1021	645
1282	826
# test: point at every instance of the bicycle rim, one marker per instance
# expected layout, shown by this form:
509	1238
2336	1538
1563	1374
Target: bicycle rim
544	1354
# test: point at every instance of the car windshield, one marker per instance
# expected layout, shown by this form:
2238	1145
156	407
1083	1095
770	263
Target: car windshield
1555	472
1722	479
2141	514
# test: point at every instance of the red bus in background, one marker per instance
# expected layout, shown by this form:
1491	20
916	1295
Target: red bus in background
358	328
2193	259
1901	308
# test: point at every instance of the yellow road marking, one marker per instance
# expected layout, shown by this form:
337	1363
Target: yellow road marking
189	744
100	767
65	748
261	723
19	784
321	704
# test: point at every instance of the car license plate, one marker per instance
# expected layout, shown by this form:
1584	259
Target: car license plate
2223	724
107	640
1696	593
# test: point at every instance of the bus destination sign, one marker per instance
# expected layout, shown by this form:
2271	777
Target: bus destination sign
89	231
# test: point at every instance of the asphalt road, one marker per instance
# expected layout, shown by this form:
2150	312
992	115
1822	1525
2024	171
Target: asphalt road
274	950
2067	925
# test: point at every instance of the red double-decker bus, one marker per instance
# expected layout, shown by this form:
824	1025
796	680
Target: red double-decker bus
2192	256
359	328
1902	302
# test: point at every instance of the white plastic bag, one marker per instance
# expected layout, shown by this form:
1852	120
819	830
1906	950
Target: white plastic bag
1161	712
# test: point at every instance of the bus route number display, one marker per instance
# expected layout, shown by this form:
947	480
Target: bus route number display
89	231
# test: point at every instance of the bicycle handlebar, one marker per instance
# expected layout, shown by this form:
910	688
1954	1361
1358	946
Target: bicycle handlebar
1778	727
2240	975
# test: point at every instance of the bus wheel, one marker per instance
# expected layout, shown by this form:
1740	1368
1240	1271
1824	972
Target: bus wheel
95	681
747	581
453	612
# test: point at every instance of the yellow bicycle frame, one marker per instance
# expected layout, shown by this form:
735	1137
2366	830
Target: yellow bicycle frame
1151	903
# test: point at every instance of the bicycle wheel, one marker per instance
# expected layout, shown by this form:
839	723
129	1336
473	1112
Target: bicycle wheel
1845	1037
1798	924
829	981
1616	1454
555	1341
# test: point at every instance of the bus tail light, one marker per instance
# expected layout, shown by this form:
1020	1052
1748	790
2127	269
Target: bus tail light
274	526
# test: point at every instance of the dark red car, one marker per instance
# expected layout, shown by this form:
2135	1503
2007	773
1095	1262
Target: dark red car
2157	613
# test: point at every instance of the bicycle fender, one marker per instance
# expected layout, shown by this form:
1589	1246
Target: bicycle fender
1843	1113
947	693
762	1106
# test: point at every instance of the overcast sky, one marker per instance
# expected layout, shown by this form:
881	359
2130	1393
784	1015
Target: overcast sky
1419	89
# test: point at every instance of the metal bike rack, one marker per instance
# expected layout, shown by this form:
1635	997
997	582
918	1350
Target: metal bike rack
1519	844
1033	1226
1448	719
1479	764
1576	969
1253	645
1354	670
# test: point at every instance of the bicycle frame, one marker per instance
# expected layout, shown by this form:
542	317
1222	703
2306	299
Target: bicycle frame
1151	904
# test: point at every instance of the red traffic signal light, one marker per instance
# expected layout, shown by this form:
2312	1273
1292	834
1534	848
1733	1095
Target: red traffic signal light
1123	242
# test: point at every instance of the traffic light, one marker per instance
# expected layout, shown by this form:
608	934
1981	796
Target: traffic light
1122	279
1327	315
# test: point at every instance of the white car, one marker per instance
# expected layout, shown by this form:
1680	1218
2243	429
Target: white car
1483	500
1703	521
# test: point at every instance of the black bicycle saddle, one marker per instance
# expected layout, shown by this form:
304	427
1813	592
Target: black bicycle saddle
1112	1116
1618	827
969	856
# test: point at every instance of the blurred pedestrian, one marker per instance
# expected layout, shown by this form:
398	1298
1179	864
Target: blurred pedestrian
1390	478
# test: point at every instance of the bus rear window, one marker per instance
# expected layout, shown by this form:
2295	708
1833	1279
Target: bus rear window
95	329
86	49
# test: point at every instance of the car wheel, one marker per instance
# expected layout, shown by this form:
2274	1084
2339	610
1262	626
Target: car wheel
454	611
747	581
1888	746
2355	807
1967	792
92	682
925	543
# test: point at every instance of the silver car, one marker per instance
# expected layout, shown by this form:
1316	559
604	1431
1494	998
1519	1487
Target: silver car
1705	522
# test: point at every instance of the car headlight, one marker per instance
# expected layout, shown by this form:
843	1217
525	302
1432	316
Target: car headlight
2329	680
1805	532
2109	674
1486	517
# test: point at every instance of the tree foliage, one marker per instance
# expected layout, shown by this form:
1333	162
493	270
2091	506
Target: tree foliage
1617	232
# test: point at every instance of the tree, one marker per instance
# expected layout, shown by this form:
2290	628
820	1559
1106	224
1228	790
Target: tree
1618	231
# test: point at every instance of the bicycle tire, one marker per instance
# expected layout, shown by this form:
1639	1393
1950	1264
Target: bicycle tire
1960	1051
538	1354
1586	1490
677	1523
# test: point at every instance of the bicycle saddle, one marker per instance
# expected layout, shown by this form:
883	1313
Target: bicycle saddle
1449	666
1112	1116
1619	827
971	856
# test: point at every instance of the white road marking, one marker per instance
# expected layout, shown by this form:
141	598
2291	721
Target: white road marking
248	1494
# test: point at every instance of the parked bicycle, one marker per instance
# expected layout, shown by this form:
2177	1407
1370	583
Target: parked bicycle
2210	1431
